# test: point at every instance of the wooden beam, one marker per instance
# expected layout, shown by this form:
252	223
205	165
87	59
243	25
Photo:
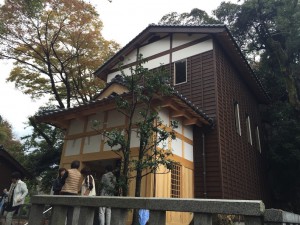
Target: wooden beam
192	121
169	103
176	114
62	124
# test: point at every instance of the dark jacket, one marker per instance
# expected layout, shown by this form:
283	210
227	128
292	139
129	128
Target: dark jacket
57	185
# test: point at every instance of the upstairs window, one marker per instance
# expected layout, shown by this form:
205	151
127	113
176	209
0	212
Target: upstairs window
175	181
237	118
180	72
248	127
258	139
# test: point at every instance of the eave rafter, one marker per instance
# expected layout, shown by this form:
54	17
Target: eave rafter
59	123
180	111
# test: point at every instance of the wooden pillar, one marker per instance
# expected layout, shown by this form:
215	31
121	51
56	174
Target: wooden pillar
36	214
157	217
202	219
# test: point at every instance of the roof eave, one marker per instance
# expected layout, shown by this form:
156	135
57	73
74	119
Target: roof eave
150	30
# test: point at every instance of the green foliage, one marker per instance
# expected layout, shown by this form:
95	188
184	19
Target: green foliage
195	17
9	142
272	28
56	46
143	121
43	150
283	154
268	33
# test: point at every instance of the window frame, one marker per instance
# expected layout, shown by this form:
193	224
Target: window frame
180	61
237	118
248	130
258	143
176	172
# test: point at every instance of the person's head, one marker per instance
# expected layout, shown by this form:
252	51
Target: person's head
15	176
75	164
108	168
85	171
61	171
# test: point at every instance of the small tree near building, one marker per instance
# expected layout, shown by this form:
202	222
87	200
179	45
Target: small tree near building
138	105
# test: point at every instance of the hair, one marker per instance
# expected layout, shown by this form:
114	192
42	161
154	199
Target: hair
16	175
60	170
75	164
109	168
86	171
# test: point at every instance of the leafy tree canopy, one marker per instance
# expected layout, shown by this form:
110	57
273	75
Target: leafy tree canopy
9	142
268	33
56	46
43	148
143	121
195	17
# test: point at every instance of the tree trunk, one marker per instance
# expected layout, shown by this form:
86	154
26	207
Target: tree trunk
135	219
292	92
138	183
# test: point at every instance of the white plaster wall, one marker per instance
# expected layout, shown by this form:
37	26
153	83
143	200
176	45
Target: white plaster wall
112	75
163	45
130	58
137	117
180	39
92	144
73	147
163	60
134	140
115	119
179	128
188	151
163	144
188	132
155	47
177	147
164	116
192	50
108	148
76	126
99	117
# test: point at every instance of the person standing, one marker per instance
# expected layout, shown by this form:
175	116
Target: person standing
71	186
71	180
58	182
108	182
88	183
16	197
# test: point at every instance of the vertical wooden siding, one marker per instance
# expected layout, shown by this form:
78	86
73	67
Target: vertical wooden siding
200	89
234	168
242	164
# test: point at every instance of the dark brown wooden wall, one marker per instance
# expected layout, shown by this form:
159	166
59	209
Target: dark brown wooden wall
234	168
241	163
200	89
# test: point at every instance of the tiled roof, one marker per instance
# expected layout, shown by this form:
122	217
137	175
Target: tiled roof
222	26
221	34
119	80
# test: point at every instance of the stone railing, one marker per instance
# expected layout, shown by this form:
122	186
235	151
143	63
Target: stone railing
21	217
277	216
83	208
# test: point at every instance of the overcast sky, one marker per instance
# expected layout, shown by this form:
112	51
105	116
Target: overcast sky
123	20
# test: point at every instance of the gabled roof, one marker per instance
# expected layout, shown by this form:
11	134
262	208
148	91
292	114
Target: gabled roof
218	32
9	159
106	96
